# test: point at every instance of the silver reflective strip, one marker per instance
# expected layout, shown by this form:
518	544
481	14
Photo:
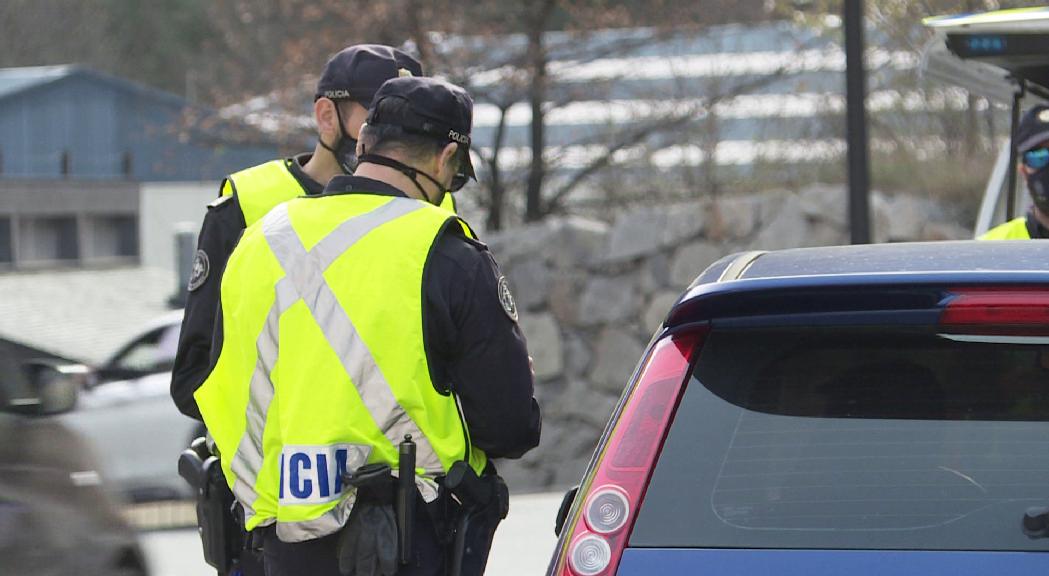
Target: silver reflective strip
336	518
306	269
247	460
327	523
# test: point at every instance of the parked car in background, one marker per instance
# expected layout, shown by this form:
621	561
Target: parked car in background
824	411
55	517
127	413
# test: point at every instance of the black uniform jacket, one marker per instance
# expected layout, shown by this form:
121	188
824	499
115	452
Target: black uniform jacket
222	227
474	346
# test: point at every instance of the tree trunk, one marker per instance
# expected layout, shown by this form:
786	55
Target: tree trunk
417	33
495	185
536	97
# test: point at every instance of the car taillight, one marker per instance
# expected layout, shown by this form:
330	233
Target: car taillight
612	495
1021	311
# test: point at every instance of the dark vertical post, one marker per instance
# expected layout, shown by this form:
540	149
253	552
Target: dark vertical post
125	165
856	125
65	163
1010	198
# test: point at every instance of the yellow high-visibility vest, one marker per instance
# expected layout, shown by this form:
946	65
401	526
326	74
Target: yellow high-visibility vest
1015	229
262	187
323	366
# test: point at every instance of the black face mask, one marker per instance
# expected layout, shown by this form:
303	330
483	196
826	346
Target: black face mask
345	150
411	173
1038	185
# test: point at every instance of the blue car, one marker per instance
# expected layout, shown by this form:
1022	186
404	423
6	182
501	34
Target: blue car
826	411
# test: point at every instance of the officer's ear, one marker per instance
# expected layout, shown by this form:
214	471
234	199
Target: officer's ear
327	119
446	161
360	140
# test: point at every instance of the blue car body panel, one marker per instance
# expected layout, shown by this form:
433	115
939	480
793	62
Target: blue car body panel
700	562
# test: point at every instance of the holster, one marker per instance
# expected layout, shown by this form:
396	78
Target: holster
222	538
482	502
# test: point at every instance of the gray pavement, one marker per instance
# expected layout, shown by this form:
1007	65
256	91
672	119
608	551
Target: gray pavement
522	546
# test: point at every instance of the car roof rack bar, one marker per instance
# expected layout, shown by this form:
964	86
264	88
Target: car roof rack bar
735	270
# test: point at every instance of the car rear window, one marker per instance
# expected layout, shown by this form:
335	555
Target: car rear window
854	439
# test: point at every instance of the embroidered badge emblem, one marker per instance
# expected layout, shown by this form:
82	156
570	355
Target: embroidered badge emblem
201	267
507	299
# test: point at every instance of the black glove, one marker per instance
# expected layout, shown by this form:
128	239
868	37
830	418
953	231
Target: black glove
368	544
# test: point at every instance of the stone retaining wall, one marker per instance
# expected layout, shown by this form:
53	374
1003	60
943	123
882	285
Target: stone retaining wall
591	294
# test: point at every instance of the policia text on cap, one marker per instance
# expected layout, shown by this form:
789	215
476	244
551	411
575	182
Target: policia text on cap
362	325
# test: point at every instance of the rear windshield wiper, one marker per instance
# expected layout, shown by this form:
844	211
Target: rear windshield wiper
1036	522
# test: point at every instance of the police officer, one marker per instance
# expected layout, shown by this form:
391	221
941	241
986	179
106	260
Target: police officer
354	319
1032	142
344	91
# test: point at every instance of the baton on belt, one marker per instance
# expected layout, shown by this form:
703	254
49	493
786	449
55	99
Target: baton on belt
406	497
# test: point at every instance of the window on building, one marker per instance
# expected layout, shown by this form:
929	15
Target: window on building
112	237
6	252
47	239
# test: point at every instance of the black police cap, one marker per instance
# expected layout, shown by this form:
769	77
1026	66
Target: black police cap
435	108
1033	129
357	72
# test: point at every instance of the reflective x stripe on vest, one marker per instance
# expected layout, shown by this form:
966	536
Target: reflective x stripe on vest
1015	229
262	187
309	501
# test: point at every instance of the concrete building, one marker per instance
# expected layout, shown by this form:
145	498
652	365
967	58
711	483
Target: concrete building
75	146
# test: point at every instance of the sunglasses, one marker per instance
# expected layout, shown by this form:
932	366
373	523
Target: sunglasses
460	179
1036	159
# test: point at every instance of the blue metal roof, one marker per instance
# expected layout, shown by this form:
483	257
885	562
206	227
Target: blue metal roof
106	127
14	80
17	80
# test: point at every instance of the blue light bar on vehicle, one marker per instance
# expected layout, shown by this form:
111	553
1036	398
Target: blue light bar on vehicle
987	44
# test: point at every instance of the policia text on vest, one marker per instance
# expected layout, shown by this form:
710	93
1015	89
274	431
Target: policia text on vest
370	353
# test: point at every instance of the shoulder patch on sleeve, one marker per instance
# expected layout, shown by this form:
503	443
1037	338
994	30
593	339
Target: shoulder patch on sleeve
219	201
507	299
201	267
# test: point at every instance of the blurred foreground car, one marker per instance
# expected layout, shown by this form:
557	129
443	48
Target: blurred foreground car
55	518
826	411
127	414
